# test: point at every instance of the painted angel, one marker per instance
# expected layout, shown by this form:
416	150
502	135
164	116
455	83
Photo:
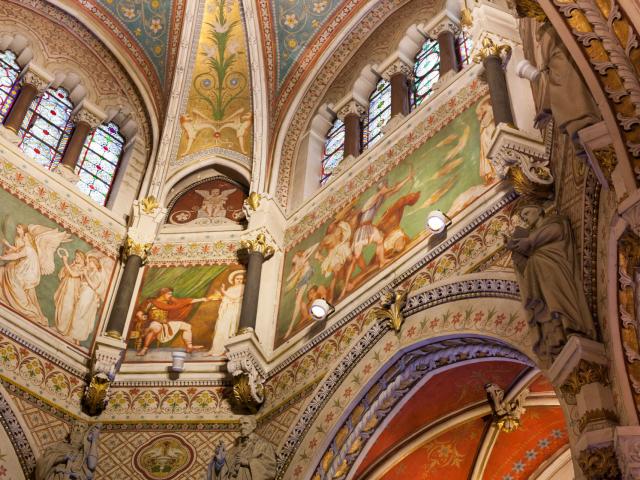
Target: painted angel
213	203
25	262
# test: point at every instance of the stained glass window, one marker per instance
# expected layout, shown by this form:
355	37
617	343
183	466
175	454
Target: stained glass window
465	45
47	127
426	71
9	85
379	113
333	150
98	161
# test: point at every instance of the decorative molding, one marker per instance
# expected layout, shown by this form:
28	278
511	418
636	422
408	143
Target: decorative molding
627	444
17	437
599	462
398	67
585	373
248	382
606	157
597	415
352	107
170	254
141	250
446	25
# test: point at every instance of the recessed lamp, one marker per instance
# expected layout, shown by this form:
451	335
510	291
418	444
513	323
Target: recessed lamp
320	309
437	221
177	361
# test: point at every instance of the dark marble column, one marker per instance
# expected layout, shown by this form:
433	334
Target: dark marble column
257	252
492	57
74	147
399	79
351	115
136	256
448	54
26	95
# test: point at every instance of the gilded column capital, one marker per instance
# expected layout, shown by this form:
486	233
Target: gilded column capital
258	245
490	48
352	107
599	462
131	247
398	67
584	373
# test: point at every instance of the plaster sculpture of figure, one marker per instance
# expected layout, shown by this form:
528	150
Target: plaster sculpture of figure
251	458
546	264
567	97
228	312
73	459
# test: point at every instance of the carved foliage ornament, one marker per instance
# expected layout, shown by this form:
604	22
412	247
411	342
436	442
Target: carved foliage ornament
248	384
132	247
96	394
258	245
390	309
490	48
597	415
531	9
584	373
607	159
599	463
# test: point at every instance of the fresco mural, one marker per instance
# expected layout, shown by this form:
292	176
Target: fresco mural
387	219
215	201
49	276
218	112
193	308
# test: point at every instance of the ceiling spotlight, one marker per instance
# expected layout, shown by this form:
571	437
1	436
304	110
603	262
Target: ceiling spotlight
437	221
177	361
320	309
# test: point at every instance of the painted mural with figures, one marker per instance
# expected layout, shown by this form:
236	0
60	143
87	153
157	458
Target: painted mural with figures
48	276
447	173
218	112
215	201
193	308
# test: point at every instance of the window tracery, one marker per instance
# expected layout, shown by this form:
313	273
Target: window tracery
9	84
99	160
379	113
333	152
47	127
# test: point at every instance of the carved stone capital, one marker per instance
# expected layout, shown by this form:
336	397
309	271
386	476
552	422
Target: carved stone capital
523	159
446	25
89	114
38	77
585	373
490	48
398	67
599	462
627	446
258	245
351	108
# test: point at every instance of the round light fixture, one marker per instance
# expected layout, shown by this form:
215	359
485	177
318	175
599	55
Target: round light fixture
437	221
177	360
320	309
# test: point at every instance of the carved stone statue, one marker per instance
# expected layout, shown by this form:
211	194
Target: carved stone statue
567	97
74	458
506	415
546	264
251	458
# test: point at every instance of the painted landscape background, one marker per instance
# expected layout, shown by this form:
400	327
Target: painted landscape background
446	173
36	284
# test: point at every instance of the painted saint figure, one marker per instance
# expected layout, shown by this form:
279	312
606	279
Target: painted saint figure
251	458
72	459
228	312
26	261
167	314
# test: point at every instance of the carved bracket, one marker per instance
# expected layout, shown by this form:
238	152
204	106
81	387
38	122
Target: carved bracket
506	413
107	358
524	160
248	381
627	445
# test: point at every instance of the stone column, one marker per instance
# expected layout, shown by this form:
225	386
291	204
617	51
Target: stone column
351	115
399	74
257	252
35	81
445	32
494	57
86	119
146	220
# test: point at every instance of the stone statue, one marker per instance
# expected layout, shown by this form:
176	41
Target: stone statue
567	97
74	458
251	458
546	265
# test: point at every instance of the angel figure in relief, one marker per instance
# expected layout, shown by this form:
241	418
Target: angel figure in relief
25	262
82	289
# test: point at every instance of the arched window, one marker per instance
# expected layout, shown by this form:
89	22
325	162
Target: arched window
98	161
47	127
333	150
465	45
379	113
9	71
426	71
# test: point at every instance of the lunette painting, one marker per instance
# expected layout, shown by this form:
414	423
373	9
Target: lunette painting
48	276
447	173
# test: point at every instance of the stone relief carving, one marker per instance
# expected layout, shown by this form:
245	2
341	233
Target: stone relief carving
546	264
74	458
506	414
250	458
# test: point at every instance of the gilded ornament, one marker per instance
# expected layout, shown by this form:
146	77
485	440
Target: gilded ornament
243	393
531	9
607	160
466	18
528	188
491	49
595	416
390	310
253	201
131	247
96	393
258	245
599	463
585	373
150	204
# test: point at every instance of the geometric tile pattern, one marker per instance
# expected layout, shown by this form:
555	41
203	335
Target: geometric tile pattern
44	427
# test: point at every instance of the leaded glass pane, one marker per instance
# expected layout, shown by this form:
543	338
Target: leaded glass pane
426	70
379	113
47	127
333	150
465	45
99	161
9	71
